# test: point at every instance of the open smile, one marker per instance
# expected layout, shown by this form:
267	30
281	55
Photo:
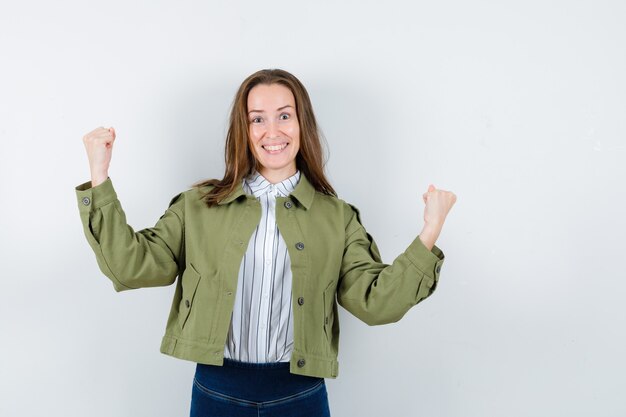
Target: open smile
275	149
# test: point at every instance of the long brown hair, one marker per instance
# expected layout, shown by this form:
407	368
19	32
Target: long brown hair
239	159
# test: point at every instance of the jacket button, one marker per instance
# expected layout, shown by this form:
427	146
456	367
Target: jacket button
300	300
288	204
438	268
86	201
301	363
187	303
299	245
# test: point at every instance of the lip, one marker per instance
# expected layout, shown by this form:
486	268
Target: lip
275	144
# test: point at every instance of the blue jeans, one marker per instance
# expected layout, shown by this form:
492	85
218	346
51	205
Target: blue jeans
256	389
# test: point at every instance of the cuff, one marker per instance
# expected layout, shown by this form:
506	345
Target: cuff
89	197
427	261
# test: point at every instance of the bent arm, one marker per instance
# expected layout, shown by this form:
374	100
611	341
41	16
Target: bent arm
379	293
147	258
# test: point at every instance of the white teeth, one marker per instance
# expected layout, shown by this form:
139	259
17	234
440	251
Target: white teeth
274	147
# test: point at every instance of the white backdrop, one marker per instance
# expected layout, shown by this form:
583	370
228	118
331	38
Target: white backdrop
516	107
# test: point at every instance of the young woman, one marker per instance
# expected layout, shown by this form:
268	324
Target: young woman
263	256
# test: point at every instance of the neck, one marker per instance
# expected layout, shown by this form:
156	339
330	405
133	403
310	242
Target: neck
275	176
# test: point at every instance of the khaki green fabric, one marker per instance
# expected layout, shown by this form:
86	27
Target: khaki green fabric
333	260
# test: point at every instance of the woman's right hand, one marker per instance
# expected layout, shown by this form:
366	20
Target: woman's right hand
99	146
438	205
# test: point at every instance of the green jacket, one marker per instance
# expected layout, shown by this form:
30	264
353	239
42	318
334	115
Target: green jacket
333	260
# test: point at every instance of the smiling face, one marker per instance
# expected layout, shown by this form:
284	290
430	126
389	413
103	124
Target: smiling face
274	130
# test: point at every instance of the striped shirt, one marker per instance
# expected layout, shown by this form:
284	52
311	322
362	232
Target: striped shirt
261	326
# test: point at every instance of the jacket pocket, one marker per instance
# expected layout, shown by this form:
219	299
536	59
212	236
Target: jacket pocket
190	281
329	300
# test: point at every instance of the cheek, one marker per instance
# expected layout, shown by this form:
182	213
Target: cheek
294	131
298	137
254	133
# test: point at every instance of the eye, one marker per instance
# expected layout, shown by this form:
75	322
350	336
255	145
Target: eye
287	116
256	120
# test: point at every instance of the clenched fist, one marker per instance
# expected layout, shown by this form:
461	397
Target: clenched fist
99	146
438	204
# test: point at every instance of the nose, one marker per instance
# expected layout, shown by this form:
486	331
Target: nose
272	128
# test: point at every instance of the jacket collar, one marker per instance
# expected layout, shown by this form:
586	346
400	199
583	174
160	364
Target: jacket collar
257	185
304	192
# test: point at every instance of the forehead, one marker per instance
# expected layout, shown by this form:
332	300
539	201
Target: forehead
270	97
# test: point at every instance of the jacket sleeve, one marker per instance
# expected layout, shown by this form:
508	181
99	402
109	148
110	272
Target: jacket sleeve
379	293
147	258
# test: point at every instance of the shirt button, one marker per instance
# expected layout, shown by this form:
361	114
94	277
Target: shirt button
300	300
187	303
86	201
438	268
299	245
288	204
262	326
301	363
268	261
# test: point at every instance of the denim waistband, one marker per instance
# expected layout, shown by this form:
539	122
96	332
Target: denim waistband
251	365
253	381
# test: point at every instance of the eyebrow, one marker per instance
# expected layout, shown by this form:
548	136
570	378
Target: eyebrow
261	111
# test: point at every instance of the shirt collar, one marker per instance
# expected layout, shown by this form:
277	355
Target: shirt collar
303	192
257	185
